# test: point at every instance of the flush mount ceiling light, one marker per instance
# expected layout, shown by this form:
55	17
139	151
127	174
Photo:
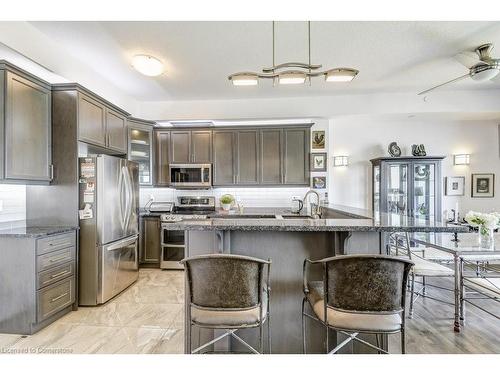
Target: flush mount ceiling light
147	65
301	72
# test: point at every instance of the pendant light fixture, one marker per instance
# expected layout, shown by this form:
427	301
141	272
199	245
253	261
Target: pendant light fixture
293	73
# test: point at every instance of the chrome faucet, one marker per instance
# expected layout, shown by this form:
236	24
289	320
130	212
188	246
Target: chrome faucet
315	209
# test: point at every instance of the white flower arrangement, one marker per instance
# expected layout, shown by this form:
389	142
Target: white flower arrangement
487	222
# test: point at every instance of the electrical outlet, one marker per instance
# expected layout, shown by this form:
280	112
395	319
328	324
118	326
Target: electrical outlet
295	197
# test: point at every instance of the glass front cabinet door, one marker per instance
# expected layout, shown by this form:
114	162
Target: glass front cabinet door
140	137
407	186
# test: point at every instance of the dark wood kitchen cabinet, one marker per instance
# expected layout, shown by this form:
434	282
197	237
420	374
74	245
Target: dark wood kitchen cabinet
25	127
140	148
162	157
150	246
116	127
296	156
247	157
271	166
224	158
91	121
243	156
191	146
41	274
100	123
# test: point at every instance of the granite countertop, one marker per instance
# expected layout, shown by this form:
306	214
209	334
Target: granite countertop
34	231
386	223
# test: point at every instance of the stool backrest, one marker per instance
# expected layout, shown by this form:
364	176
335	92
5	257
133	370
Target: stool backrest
225	281
366	283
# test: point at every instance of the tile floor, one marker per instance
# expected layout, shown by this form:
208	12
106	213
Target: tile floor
148	318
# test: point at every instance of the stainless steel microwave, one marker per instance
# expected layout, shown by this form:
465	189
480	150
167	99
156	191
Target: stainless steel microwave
190	175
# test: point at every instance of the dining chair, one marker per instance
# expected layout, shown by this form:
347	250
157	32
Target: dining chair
400	245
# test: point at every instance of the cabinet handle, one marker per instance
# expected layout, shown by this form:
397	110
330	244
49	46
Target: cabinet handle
58	259
59	274
60	244
58	297
51	171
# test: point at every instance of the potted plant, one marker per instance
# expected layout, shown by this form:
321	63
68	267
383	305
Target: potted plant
486	224
226	201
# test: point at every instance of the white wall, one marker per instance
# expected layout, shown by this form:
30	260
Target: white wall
365	138
12	203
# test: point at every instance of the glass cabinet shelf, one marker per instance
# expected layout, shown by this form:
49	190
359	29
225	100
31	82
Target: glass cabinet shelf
140	137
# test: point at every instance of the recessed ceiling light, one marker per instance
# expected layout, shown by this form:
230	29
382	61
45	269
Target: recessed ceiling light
147	65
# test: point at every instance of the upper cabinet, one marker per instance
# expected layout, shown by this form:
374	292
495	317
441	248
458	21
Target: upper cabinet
270	157
191	146
91	121
100	123
296	156
116	130
224	158
260	156
140	148
25	127
247	157
162	157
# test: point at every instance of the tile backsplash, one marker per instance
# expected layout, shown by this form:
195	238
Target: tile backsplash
250	197
12	203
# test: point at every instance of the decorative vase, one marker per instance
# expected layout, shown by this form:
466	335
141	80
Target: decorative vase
485	237
226	206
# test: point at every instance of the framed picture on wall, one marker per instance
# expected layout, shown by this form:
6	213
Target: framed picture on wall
318	162
483	185
454	186
319	182
318	139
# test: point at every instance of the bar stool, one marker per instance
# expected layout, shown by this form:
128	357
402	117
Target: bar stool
229	292
358	294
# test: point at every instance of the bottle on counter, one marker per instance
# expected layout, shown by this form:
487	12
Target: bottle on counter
325	200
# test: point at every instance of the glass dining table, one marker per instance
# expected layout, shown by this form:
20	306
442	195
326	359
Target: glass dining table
462	247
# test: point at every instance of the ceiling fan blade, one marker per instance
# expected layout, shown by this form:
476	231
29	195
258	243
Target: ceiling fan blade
467	58
446	83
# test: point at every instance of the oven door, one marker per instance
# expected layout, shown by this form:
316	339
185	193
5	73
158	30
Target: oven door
190	175
172	249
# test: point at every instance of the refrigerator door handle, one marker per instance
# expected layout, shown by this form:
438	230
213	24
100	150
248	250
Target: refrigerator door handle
123	243
128	196
121	185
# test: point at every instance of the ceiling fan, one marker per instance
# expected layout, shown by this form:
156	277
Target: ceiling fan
482	67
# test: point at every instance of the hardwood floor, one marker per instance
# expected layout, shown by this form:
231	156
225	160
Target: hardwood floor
431	328
148	318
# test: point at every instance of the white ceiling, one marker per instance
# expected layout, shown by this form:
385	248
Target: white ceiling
391	56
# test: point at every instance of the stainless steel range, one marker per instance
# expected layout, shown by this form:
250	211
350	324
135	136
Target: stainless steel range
173	241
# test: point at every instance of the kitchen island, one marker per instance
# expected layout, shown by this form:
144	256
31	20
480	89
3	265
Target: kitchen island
287	242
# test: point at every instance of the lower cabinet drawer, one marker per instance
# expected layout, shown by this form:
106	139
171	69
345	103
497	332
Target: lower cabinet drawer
54	298
55	274
55	258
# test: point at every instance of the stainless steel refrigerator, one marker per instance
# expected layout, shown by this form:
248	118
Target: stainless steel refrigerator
108	211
